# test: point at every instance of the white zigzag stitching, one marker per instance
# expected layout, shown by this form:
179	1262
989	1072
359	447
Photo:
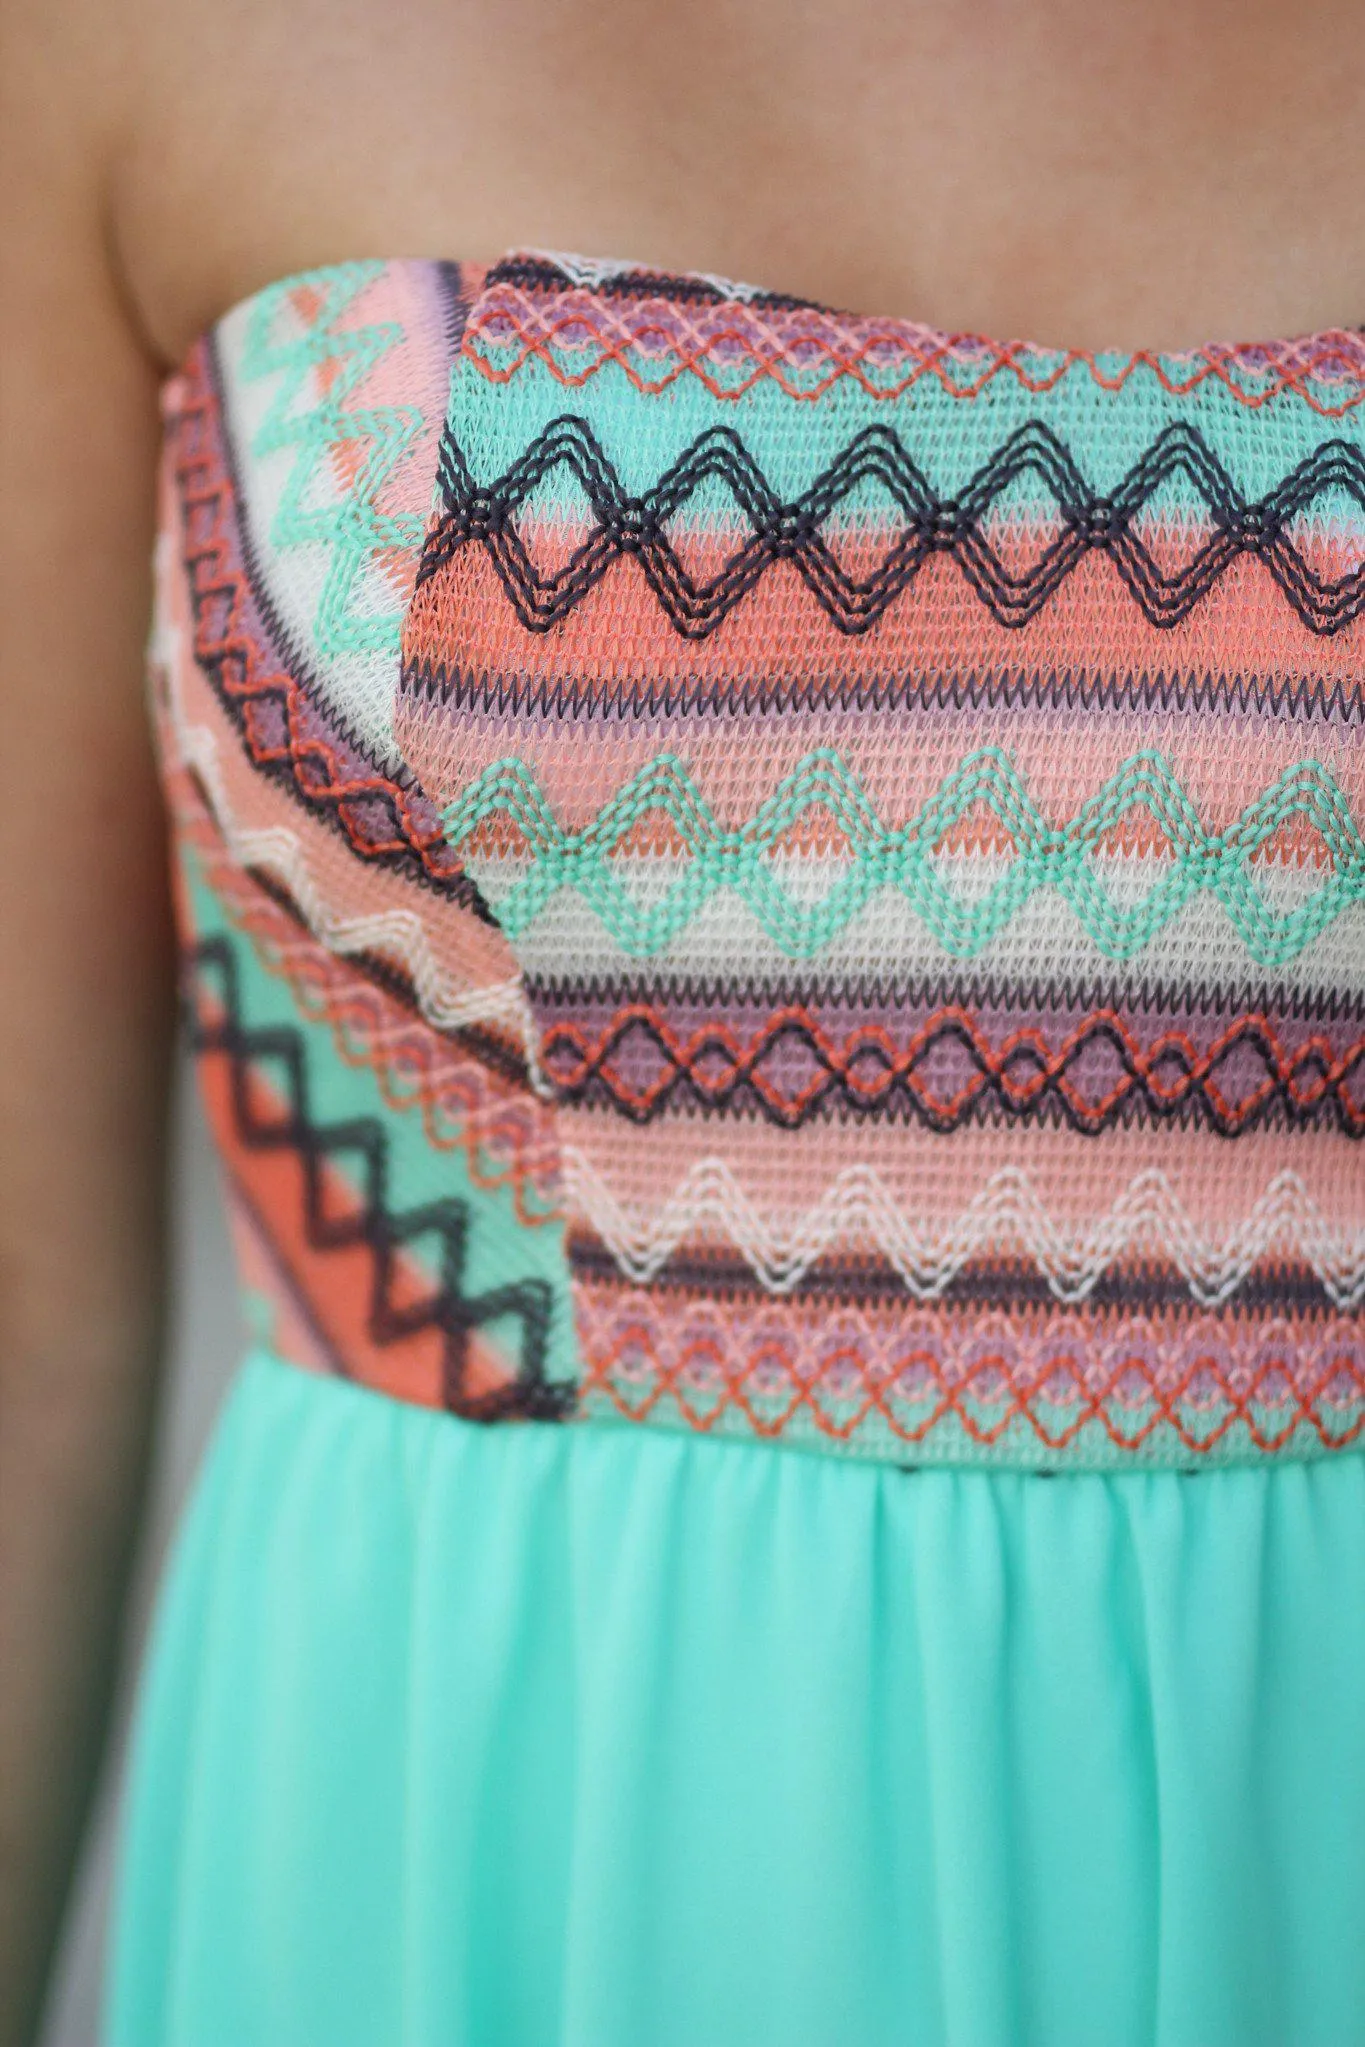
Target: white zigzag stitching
589	271
857	1207
397	934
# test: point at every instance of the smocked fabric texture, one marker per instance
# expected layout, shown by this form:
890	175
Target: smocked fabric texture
776	874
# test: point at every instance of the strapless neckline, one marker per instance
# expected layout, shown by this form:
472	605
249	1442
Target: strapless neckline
779	872
1320	347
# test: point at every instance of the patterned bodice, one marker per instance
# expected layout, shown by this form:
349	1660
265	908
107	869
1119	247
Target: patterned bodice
774	873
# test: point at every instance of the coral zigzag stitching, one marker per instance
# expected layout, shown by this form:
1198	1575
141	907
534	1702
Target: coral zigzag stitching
716	1067
216	1027
1058	1386
381	819
627	525
857	1208
904	858
656	337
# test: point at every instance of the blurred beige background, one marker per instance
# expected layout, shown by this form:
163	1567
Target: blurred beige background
205	1339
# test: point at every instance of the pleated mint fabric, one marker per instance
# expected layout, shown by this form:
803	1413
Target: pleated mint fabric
551	1738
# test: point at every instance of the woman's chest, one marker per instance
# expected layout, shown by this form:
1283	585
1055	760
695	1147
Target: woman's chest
859	828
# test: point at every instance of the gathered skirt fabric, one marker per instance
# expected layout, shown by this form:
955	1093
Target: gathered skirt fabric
599	1737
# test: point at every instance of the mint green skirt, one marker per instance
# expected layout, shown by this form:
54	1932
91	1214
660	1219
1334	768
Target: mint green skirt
539	1737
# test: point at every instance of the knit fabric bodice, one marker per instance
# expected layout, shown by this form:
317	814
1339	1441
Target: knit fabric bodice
773	873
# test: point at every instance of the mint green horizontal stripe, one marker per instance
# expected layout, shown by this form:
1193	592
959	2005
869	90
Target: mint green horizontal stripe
949	438
903	857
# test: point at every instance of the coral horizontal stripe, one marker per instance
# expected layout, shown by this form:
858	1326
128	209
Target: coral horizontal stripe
461	623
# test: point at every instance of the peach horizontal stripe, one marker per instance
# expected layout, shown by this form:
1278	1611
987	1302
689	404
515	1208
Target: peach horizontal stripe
901	756
1077	1177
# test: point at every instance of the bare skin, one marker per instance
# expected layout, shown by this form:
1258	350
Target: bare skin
1082	174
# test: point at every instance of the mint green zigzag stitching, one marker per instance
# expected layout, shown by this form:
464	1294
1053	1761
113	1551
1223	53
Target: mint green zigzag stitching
1045	857
353	529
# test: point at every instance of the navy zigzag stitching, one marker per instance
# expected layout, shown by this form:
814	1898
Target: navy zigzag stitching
789	530
450	689
974	990
532	272
361	1141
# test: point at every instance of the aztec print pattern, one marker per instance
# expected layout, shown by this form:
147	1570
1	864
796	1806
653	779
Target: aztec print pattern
774	873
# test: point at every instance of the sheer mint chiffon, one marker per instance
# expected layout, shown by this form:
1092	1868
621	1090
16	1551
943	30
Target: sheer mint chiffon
541	1737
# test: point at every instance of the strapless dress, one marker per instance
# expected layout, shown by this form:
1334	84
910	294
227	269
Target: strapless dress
773	913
